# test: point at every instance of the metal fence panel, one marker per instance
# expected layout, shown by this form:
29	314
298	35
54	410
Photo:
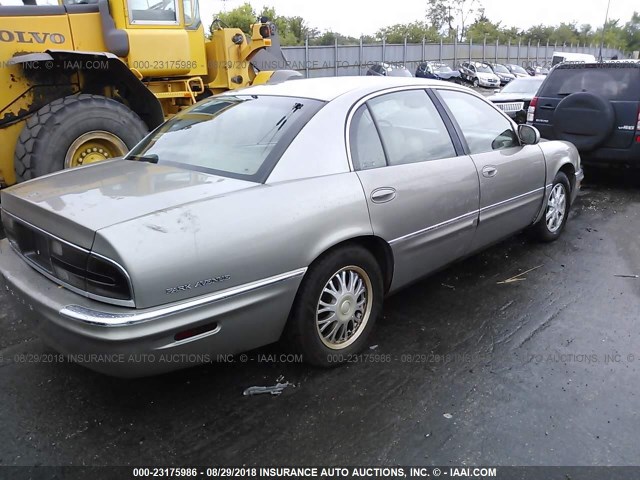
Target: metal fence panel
340	60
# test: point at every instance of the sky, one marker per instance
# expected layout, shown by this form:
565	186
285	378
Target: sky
359	17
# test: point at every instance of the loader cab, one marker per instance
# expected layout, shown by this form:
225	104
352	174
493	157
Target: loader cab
166	37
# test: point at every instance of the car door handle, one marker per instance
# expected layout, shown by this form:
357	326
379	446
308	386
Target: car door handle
383	195
548	107
489	171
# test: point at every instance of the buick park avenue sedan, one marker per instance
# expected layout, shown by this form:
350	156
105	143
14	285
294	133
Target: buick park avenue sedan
284	211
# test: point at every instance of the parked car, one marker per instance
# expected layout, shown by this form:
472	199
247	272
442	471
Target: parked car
559	57
514	99
479	74
388	70
438	71
502	73
211	237
537	70
516	70
595	106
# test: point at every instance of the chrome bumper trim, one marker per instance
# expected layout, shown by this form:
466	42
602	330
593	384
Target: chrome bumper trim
108	319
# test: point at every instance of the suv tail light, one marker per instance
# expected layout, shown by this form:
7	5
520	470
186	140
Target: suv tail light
532	110
638	127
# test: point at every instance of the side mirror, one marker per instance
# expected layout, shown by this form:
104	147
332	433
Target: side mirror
528	135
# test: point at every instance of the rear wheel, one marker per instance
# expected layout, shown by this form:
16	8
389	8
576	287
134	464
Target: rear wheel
550	227
336	306
74	131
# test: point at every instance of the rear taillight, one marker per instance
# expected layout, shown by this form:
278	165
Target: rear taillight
107	279
638	124
531	113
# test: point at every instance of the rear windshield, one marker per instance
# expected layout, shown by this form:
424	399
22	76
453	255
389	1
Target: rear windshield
616	83
518	69
524	85
233	136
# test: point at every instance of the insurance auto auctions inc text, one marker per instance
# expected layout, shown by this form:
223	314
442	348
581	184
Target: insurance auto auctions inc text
375	472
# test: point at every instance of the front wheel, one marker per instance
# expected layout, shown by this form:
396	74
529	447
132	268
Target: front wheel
336	306
476	83
74	131
550	227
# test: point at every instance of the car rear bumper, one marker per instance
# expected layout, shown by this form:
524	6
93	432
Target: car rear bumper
487	83
613	156
126	342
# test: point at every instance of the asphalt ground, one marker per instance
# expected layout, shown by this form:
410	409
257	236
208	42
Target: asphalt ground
462	369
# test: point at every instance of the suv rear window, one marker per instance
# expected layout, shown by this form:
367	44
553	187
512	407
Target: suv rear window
612	83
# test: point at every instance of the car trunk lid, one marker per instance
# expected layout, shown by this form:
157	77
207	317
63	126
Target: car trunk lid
76	204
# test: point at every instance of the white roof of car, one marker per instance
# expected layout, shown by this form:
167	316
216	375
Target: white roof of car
329	88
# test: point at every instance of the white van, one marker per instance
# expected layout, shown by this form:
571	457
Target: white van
559	57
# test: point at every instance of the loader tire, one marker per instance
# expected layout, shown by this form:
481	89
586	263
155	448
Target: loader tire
74	131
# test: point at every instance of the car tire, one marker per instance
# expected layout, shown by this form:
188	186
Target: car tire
314	327
70	123
550	226
476	83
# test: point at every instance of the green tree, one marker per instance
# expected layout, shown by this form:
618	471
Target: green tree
538	33
241	17
326	38
455	15
413	32
438	14
483	29
632	33
565	34
614	35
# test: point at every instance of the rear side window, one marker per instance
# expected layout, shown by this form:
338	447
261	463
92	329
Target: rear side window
411	128
615	83
366	148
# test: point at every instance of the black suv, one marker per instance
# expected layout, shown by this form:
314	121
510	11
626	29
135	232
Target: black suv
595	106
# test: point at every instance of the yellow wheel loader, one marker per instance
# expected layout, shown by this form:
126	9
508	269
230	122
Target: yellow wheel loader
84	80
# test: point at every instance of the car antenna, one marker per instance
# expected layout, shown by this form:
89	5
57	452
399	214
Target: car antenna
604	29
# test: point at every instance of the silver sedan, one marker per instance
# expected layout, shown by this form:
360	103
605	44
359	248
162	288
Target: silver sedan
283	211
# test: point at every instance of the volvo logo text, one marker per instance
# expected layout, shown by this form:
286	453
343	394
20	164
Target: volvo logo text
31	37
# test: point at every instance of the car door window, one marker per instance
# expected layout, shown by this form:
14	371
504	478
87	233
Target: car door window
483	127
411	128
366	148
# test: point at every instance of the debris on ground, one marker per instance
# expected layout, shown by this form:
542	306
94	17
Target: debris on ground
448	286
627	276
273	390
373	347
448	416
507	305
518	278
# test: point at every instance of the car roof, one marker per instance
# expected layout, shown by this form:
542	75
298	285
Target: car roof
530	79
608	64
329	88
